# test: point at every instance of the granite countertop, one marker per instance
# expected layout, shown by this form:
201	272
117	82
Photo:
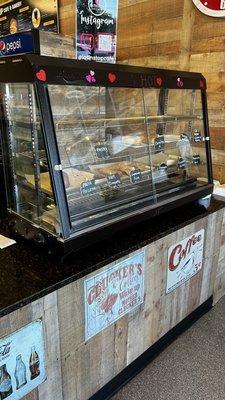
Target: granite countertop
26	273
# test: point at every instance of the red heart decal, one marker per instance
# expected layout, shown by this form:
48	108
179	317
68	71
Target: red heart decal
202	84
112	77
159	81
41	75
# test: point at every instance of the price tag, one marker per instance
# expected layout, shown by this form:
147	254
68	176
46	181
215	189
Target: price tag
135	176
197	137
102	151
163	167
114	180
159	142
184	136
196	159
181	163
88	187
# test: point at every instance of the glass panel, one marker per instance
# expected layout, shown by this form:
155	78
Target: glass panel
103	145
176	131
31	195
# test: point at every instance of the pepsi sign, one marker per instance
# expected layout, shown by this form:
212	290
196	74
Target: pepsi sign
17	44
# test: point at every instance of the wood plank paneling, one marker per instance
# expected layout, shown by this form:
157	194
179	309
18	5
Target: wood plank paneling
77	369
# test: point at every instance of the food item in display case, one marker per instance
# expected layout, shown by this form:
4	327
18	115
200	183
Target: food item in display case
51	218
74	178
45	183
79	152
122	168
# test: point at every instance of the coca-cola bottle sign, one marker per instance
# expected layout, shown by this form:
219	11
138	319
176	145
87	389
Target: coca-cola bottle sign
214	8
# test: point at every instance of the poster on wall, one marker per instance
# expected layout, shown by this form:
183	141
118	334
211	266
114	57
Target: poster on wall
96	30
17	16
22	361
213	8
184	260
113	293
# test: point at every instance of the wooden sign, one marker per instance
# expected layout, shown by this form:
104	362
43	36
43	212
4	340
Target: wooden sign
213	8
113	293
184	260
22	361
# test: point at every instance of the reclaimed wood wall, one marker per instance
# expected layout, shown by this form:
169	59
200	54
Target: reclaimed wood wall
77	369
219	285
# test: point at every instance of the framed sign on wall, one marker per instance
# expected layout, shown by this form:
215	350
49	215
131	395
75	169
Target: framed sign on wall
185	260
22	361
213	8
17	16
96	30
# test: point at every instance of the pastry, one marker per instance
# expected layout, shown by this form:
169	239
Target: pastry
45	182
120	168
74	178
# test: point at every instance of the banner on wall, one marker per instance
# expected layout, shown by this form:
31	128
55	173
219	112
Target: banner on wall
96	30
22	361
17	16
113	293
184	260
213	8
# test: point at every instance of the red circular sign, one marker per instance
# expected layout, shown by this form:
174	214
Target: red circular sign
214	8
2	45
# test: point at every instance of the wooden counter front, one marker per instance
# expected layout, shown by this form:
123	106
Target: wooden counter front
76	369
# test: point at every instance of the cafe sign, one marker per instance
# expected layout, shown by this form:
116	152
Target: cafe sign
213	8
184	260
113	293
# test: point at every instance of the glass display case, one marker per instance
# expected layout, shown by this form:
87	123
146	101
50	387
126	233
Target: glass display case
91	148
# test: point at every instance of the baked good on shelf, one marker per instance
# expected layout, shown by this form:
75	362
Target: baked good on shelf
74	178
122	168
45	182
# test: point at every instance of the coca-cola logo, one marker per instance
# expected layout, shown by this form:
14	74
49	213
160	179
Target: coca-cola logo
2	45
213	8
180	253
5	349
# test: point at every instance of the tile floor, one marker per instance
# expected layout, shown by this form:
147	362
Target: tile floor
191	368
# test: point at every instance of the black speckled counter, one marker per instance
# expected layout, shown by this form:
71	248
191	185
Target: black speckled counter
26	273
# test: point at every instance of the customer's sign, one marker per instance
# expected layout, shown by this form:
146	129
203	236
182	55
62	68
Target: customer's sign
214	8
113	293
184	260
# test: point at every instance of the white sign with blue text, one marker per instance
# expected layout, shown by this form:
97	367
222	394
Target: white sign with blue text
22	361
113	293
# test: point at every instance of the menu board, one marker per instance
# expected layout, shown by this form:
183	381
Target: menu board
17	16
22	361
96	30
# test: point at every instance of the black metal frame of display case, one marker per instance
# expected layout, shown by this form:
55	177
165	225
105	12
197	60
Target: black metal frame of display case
42	71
